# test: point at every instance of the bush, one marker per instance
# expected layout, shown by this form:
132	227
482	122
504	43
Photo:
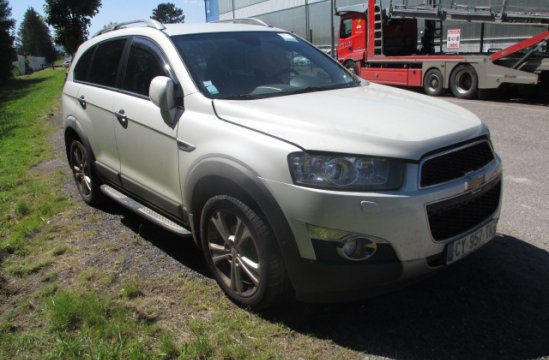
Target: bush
15	71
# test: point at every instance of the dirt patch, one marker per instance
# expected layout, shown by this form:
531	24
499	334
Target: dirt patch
107	247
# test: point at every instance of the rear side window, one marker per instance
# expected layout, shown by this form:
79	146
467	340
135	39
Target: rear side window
81	69
104	69
144	64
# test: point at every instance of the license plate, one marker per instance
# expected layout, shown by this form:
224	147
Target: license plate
462	247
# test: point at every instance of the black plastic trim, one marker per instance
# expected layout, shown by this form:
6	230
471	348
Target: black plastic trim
171	209
107	174
327	252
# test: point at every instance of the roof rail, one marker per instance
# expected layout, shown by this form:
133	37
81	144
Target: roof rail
247	21
148	22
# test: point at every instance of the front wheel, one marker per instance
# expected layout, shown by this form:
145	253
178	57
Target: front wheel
241	252
351	66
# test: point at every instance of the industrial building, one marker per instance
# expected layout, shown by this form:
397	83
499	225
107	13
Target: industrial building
312	19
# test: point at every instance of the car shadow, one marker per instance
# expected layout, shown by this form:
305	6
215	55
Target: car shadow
16	88
181	249
492	305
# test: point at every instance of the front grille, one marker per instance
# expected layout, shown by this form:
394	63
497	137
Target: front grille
455	164
458	215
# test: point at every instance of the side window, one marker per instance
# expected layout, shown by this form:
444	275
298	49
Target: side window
81	69
346	29
104	69
144	64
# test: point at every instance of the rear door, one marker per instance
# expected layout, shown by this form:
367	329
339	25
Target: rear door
97	73
146	144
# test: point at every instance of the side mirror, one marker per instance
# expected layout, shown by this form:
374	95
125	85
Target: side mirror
162	94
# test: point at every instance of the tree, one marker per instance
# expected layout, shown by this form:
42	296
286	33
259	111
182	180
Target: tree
34	37
6	41
71	19
168	13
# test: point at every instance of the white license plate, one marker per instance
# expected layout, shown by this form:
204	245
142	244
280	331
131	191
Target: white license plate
462	247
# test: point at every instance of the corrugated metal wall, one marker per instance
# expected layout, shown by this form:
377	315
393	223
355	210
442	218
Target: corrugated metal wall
292	15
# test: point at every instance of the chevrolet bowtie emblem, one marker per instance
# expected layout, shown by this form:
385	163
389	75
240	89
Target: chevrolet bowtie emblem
474	183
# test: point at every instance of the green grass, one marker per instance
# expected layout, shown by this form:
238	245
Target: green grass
57	309
27	199
88	325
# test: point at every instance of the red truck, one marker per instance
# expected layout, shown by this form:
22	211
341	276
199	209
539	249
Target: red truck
382	45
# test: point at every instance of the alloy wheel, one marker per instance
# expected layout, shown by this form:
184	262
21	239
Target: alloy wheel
234	254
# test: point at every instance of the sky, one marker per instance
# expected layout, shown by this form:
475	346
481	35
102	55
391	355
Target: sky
115	11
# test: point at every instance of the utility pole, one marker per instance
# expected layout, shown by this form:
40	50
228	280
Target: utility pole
307	25
332	13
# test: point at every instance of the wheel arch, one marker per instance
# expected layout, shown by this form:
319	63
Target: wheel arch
221	176
72	132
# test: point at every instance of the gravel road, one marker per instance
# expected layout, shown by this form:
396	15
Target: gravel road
492	305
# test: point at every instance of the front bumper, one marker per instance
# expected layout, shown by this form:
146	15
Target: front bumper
398	219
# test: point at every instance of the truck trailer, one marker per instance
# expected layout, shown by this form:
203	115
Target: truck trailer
385	45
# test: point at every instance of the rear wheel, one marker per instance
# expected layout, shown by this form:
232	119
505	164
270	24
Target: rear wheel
433	83
86	180
464	82
241	252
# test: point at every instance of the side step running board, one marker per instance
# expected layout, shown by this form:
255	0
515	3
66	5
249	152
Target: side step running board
144	211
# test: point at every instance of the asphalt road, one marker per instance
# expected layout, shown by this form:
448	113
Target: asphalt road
520	133
493	304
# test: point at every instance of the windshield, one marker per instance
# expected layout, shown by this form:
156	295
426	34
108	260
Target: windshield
251	65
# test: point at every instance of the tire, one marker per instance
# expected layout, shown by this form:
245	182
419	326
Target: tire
464	82
433	83
241	252
351	66
87	182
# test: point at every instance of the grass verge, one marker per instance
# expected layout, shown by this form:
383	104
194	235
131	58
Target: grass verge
27	199
52	306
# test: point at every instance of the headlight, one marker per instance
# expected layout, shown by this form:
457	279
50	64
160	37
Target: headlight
346	172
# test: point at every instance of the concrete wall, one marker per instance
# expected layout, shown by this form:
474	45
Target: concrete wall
35	63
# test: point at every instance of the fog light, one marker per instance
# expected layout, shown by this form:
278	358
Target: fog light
357	248
321	233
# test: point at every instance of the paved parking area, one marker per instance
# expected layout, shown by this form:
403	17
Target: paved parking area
494	304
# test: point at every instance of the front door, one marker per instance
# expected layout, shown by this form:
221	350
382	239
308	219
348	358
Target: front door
146	144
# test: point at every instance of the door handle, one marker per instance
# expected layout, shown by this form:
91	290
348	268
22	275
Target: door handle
122	118
82	102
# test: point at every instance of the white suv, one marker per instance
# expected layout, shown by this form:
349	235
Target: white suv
290	173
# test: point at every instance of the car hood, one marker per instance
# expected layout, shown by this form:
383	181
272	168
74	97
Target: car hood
371	120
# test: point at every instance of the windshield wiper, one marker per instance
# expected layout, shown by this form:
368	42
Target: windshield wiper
309	89
252	96
241	97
